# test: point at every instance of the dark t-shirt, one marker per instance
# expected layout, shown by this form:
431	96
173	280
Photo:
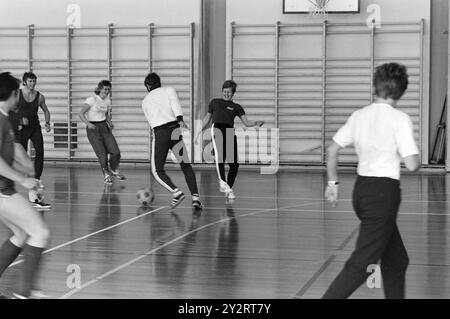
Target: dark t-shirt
29	109
224	112
7	140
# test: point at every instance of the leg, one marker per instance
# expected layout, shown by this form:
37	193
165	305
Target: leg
38	143
376	204
12	247
233	163
160	149
17	211
112	148
96	141
218	141
178	148
394	263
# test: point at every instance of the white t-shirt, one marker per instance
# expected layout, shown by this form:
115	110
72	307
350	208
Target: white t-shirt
98	109
161	106
382	136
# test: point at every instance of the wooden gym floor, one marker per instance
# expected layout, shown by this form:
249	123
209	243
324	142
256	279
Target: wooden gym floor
279	240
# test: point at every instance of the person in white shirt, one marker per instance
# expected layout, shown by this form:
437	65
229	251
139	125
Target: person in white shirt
383	137
96	114
163	111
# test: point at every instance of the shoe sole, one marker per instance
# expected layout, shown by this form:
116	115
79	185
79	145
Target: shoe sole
173	205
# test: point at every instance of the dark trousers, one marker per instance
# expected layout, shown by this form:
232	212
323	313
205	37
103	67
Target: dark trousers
225	150
33	133
168	137
104	143
376	201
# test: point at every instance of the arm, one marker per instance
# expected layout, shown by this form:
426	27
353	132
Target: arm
176	106
248	123
46	112
22	162
10	173
407	147
205	123
412	162
331	192
83	118
109	117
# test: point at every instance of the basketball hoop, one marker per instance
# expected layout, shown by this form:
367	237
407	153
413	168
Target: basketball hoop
319	8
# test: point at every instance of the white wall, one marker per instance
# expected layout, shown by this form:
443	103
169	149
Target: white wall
271	11
99	12
126	97
439	65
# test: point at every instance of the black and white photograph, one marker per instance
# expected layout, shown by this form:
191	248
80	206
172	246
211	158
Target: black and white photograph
224	155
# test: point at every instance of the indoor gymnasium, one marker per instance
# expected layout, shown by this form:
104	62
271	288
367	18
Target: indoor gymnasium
224	149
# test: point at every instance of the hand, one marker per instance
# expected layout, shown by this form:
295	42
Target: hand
30	183
331	194
91	126
111	125
259	123
25	121
47	127
26	168
183	125
196	139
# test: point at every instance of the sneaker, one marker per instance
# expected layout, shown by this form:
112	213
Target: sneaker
107	179
117	175
38	294
177	199
32	195
196	203
230	195
39	204
16	295
224	188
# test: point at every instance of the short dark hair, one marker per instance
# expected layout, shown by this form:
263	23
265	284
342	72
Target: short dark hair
101	85
230	84
8	84
28	75
390	81
152	81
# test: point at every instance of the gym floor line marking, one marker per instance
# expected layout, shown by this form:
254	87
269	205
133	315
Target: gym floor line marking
325	265
154	250
92	234
260	197
351	211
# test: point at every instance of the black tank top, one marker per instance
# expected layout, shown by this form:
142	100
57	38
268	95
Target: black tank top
29	109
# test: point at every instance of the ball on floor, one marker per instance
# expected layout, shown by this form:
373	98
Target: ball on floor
145	196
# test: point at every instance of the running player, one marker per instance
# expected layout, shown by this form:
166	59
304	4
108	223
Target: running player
383	137
222	113
30	233
26	126
96	114
163	111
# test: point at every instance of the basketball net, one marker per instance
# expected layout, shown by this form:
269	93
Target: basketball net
319	8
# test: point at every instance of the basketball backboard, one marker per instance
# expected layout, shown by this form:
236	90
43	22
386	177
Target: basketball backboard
331	6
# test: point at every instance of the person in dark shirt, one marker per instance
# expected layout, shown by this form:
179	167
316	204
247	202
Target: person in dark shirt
221	113
30	233
26	126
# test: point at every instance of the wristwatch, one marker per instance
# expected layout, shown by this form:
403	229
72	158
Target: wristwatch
332	183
